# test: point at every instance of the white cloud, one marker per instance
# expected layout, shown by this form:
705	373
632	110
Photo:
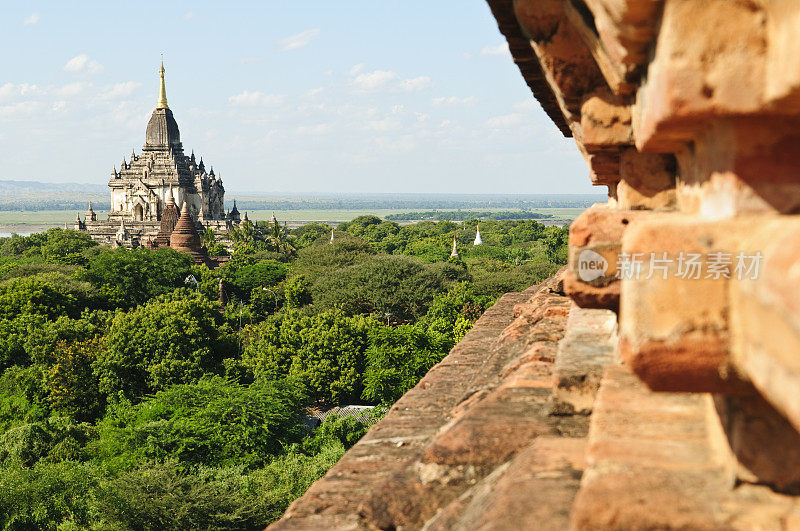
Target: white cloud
417	83
71	89
374	80
83	63
388	80
10	90
121	90
528	105
299	40
314	92
32	19
25	107
455	100
506	120
256	98
500	49
357	69
189	15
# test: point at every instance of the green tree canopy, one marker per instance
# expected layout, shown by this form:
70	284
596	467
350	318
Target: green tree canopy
130	277
166	341
398	357
324	352
263	273
399	285
48	294
213	422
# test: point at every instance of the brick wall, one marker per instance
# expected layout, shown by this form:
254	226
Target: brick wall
688	111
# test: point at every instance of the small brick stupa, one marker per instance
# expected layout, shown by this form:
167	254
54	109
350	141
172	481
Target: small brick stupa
185	238
169	218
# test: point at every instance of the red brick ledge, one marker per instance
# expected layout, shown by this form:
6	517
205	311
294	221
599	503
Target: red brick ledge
475	426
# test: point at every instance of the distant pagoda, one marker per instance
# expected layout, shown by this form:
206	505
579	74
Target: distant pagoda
454	252
140	188
149	191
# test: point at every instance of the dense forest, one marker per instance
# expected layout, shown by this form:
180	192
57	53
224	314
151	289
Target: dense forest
141	391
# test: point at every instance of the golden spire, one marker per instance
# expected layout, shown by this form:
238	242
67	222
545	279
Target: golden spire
162	91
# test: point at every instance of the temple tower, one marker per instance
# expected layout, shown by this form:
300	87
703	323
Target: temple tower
139	189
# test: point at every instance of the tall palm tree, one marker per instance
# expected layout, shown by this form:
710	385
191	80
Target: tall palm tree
244	233
278	238
208	238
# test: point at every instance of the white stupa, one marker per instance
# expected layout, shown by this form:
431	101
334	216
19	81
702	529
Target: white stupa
454	252
478	240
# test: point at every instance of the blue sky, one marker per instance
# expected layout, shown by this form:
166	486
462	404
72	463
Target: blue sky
311	97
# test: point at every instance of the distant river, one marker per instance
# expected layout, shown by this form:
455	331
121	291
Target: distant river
25	230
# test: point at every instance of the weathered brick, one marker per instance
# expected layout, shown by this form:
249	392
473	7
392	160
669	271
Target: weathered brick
647	181
674	328
586	349
599	230
766	316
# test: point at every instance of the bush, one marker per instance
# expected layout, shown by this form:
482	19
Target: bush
42	338
398	357
494	281
48	496
74	388
213	423
158	496
452	314
47	294
23	395
13	336
166	341
324	352
264	273
344	430
54	439
401	286
66	246
306	235
55	245
286	478
297	292
323	257
126	278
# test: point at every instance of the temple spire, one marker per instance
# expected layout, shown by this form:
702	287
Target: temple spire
162	91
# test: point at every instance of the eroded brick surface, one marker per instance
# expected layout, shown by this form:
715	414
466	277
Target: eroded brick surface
458	449
660	461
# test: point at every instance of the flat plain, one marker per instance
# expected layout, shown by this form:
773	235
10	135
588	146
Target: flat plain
29	221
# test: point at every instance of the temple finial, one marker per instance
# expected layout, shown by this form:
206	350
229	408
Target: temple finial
162	91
